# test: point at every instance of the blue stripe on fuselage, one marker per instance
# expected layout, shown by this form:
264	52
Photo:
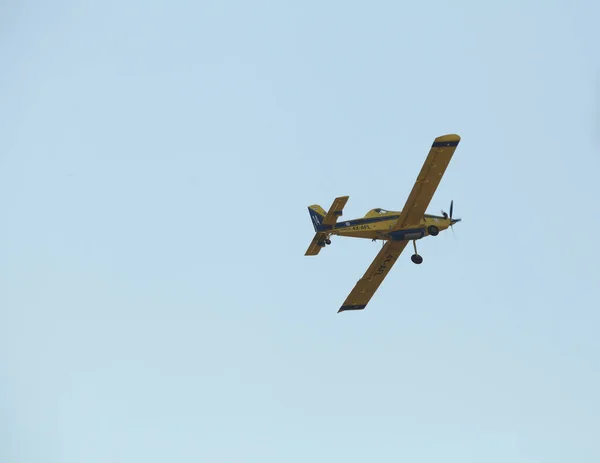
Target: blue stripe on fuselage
350	223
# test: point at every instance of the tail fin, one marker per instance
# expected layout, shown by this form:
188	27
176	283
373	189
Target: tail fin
323	221
317	215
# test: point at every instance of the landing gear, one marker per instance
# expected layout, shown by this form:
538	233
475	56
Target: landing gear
433	230
416	258
328	241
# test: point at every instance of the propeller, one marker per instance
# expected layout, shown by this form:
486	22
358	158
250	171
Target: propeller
445	214
452	221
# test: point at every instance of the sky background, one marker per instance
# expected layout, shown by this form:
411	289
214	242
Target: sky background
156	163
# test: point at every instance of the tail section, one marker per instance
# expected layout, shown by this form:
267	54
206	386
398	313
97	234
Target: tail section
322	222
317	215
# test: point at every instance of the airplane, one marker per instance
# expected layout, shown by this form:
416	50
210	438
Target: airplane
394	228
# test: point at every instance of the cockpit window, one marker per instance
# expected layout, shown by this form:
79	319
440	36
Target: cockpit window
379	211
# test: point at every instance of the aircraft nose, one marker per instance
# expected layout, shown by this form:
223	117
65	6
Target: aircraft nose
453	221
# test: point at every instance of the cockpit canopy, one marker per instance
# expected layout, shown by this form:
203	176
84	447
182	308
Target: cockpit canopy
377	212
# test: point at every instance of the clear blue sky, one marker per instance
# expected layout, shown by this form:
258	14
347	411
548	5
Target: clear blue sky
156	162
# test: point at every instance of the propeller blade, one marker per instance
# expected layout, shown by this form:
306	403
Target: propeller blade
451	208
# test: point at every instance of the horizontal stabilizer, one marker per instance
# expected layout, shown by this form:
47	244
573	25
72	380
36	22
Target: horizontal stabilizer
335	211
316	244
323	222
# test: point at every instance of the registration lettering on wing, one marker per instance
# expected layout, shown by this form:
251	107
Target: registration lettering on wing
384	265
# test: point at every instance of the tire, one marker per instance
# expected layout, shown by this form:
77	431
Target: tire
417	259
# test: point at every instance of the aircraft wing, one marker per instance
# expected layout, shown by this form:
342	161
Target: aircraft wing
428	180
364	289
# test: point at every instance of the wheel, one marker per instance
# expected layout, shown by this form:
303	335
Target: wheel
416	258
433	230
327	241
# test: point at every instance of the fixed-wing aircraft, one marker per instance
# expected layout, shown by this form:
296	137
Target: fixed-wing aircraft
395	228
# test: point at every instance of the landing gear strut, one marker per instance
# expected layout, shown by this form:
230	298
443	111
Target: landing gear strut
416	258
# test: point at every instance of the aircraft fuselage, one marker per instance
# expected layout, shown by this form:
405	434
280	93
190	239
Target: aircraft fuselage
378	227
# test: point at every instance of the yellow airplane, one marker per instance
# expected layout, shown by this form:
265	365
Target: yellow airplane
395	228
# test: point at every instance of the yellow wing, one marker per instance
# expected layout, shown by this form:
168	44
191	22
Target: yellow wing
363	291
428	180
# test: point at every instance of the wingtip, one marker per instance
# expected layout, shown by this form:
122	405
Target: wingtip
351	307
448	137
446	140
